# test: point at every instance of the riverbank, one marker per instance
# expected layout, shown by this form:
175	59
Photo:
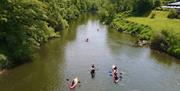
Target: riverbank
165	36
2	71
163	40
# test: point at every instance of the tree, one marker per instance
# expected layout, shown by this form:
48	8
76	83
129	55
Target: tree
157	3
141	7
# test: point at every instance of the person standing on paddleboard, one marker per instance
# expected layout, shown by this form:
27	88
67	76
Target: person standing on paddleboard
92	71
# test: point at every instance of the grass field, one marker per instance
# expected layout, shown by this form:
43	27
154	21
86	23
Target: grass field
159	22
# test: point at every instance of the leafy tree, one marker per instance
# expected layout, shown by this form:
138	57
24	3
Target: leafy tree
141	7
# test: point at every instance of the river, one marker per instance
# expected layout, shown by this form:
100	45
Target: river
70	56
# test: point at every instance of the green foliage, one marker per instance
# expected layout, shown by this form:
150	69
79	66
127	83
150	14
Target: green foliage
165	2
153	15
142	31
160	22
172	14
142	7
160	42
167	42
163	41
157	3
22	19
3	61
26	24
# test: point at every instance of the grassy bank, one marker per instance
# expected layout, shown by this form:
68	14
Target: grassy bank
159	22
162	33
142	31
166	32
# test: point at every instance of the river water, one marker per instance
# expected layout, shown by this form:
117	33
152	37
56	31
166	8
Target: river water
70	56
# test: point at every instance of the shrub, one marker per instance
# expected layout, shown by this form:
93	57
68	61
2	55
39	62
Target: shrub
3	61
152	15
175	51
159	42
178	16
172	14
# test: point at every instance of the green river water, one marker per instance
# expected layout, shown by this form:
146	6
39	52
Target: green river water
70	56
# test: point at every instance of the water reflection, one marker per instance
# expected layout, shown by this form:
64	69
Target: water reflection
165	60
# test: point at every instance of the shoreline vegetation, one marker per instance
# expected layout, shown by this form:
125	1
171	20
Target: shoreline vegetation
165	32
26	24
163	40
153	28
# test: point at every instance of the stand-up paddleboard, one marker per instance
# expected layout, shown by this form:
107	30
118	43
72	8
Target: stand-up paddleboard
116	80
75	83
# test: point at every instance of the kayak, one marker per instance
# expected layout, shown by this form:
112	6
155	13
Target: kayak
75	84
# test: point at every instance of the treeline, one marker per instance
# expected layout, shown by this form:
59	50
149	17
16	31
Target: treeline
110	8
26	24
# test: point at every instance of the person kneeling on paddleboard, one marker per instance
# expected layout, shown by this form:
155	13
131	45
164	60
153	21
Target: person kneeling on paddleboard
74	83
115	73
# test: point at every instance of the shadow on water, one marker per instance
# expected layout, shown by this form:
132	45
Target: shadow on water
166	59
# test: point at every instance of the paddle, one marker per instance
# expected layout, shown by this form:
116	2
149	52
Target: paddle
110	74
67	79
119	73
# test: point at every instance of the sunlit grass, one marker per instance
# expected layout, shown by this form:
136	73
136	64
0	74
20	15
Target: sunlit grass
160	22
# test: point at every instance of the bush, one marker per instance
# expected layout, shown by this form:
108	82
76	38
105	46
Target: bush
142	31
175	51
172	14
166	42
159	42
178	17
3	61
152	15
